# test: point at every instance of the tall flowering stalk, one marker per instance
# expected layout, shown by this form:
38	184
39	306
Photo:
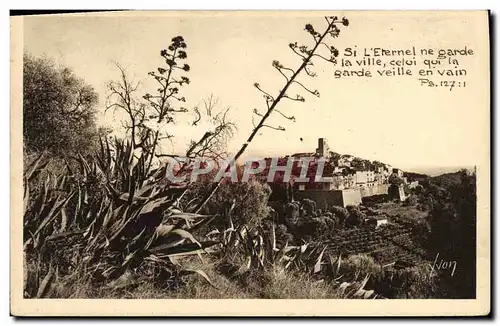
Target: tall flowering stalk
307	54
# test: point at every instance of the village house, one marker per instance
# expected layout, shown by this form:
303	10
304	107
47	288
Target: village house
398	172
413	184
365	178
348	184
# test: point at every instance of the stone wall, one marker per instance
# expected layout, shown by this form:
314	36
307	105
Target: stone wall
341	198
397	193
382	189
324	198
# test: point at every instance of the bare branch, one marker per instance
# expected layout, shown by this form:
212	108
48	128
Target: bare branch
296	98
257	113
292	118
279	128
315	92
281	72
293	47
309	73
195	122
322	57
256	85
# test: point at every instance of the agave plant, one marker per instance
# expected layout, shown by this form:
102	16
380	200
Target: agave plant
133	221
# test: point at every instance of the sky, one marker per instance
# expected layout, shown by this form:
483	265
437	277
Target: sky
390	119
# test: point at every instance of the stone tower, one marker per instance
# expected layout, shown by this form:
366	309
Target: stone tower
323	150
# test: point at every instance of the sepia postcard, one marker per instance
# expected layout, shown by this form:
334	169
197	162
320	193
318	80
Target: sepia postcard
250	163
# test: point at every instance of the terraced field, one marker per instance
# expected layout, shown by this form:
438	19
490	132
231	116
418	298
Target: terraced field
385	244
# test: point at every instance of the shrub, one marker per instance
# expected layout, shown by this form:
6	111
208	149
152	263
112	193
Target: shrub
360	264
292	213
340	213
250	201
371	223
356	216
412	200
318	227
309	206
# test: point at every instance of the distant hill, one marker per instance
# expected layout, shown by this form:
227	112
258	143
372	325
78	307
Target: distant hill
436	171
416	176
447	180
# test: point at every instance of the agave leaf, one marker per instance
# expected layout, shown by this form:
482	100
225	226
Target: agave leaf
187	217
66	234
112	191
126	197
108	152
202	274
273	238
64	220
34	167
53	213
103	227
108	215
89	230
125	280
365	280
205	221
359	291
186	235
146	191
129	257
120	225
77	212
68	167
164	229
137	237
46	283
184	252
338	264
119	212
84	167
288	248
342	287
213	232
173	210
317	266
368	294
109	271
26	196
338	278
189	248
154	205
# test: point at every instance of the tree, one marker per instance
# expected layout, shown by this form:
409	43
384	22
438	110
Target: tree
59	109
453	232
147	118
358	164
334	155
219	129
395	179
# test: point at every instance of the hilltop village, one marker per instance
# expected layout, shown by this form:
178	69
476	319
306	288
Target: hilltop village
350	178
